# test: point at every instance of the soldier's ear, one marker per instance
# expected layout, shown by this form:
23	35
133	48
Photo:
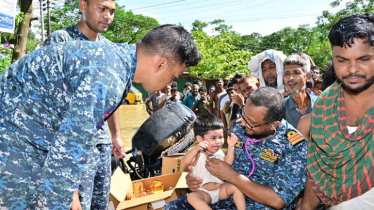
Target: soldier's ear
162	64
83	6
275	125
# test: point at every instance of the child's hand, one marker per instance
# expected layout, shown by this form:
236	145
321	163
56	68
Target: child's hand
231	140
202	145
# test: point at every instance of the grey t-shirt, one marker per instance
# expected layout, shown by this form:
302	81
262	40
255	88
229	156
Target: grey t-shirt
156	100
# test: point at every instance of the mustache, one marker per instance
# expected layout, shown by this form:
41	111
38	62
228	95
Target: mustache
354	75
292	83
105	21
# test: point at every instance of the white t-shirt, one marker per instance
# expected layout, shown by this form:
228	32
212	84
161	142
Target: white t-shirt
221	107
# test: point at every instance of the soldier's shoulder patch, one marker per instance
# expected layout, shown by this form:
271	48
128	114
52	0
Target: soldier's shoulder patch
239	144
294	137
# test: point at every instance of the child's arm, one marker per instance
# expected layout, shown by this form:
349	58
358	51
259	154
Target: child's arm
190	155
230	155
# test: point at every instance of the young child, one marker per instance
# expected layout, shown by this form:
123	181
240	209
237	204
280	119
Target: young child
208	130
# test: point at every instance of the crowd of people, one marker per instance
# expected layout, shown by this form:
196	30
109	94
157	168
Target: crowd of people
296	139
227	98
304	140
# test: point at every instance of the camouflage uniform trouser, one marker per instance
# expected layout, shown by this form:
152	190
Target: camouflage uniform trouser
95	183
20	175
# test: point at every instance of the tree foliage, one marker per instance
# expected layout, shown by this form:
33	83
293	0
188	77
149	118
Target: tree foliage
129	27
310	40
126	27
6	52
220	58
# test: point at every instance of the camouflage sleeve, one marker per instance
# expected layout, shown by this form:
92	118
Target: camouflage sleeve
56	37
290	180
95	96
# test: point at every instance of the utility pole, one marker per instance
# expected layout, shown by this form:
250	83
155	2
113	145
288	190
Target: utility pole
41	19
49	18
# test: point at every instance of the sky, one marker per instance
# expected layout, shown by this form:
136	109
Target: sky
245	16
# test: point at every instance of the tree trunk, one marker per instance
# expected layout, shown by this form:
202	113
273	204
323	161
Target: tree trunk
23	30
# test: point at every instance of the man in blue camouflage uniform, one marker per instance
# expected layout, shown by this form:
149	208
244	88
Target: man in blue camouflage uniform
278	153
90	26
56	99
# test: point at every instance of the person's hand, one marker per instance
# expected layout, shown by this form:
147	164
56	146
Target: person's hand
318	93
193	183
239	99
202	146
118	148
231	140
150	111
220	169
76	204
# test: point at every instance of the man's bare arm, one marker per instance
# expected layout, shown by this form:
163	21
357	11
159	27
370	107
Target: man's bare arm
310	200
304	125
115	131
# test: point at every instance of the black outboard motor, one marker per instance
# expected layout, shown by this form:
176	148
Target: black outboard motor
163	129
169	130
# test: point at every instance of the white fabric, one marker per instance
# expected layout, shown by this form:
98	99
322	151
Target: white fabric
214	194
201	172
222	107
363	202
351	129
275	56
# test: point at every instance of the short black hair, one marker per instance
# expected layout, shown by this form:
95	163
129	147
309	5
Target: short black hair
329	77
196	81
205	123
356	26
202	88
172	42
187	84
173	90
271	99
219	79
235	80
174	84
230	89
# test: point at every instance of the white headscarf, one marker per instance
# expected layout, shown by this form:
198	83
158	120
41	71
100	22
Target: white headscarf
277	57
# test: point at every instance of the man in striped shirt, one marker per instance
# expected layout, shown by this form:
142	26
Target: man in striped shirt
340	161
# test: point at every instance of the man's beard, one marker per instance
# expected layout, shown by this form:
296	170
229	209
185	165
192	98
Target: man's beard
194	94
273	85
295	91
369	83
258	136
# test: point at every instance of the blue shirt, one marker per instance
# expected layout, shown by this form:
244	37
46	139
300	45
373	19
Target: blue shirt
286	176
72	33
293	115
190	101
56	99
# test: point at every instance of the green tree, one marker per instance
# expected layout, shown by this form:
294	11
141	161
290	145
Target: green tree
220	58
199	25
23	29
126	26
6	52
252	42
129	27
65	16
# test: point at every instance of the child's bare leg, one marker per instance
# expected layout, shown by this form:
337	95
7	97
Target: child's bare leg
199	200
227	190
